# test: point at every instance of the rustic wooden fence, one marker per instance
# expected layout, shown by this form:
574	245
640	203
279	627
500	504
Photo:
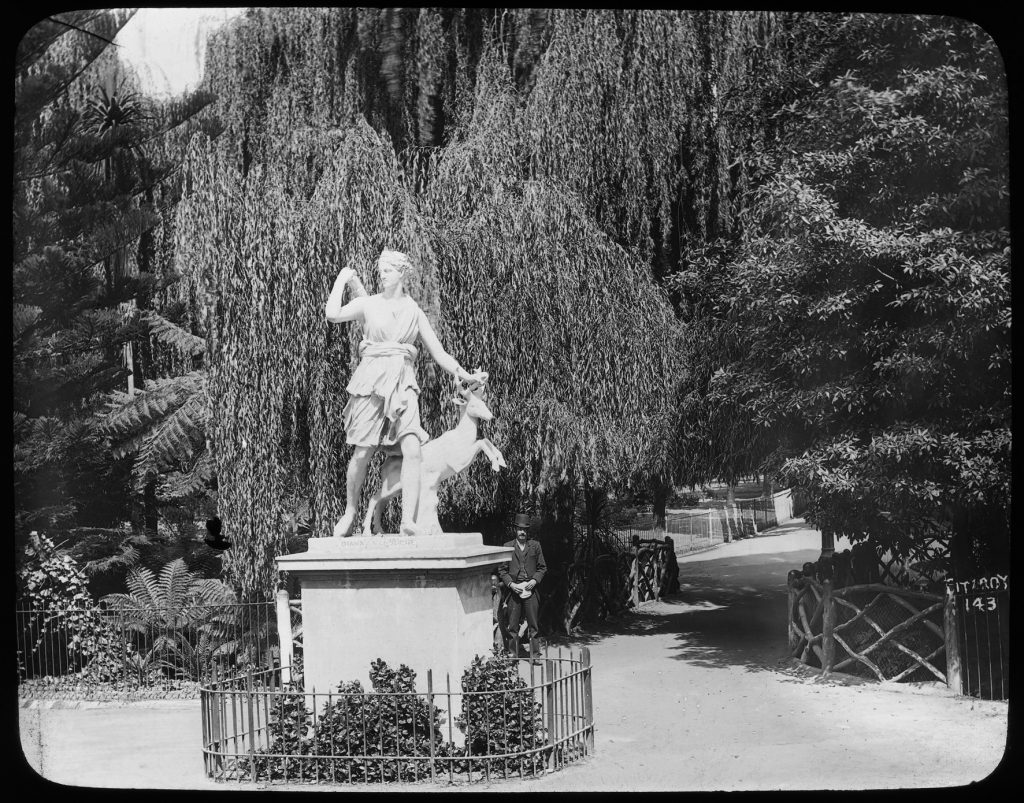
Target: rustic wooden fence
878	604
873	630
595	587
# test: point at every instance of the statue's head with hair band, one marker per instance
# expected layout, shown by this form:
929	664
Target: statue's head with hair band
395	259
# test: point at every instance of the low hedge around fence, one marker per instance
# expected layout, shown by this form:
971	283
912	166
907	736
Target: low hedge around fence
506	719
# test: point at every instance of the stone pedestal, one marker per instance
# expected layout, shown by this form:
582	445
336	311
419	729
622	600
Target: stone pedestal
421	601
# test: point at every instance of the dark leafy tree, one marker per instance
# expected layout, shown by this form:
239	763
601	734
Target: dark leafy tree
857	340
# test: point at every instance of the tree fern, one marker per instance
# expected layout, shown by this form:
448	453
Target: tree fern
167	597
172	335
145	408
177	438
186	483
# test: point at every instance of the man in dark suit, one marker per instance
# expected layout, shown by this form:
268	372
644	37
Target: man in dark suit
521	575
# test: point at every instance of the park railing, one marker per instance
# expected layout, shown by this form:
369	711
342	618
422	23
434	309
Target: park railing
873	630
691	530
257	727
718	521
889	633
976	621
106	651
979	618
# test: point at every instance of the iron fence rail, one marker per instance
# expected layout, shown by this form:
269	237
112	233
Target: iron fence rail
138	646
258	729
982	620
715	523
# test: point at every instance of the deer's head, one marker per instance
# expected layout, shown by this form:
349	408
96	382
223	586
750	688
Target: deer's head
471	401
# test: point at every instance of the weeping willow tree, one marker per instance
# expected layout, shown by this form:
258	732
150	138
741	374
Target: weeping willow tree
542	168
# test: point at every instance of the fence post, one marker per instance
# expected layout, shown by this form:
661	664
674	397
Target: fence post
634	581
284	635
549	704
790	630
430	714
251	723
588	699
216	733
828	622
954	678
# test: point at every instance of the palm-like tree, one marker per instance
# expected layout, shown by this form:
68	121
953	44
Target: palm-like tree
165	424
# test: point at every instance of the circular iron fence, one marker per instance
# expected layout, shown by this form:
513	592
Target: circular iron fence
264	727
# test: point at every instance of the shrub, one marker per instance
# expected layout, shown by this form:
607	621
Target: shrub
283	759
63	625
385	735
392	721
680	499
500	715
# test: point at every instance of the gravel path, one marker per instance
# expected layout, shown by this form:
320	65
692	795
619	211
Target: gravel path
690	693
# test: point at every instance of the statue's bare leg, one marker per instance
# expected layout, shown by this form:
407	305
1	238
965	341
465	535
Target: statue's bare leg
353	485
412	463
389	486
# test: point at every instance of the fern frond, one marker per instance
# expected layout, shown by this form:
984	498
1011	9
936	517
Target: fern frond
213	592
24	316
128	613
128	556
176	581
177	438
172	335
128	414
144	586
130	446
207	563
182	484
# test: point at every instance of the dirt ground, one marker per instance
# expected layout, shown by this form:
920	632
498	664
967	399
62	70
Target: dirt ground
690	693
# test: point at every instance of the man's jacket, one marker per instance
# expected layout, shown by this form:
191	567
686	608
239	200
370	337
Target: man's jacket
531	559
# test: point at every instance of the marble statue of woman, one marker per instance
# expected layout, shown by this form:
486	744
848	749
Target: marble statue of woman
383	407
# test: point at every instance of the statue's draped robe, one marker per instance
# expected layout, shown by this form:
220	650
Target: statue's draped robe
383	404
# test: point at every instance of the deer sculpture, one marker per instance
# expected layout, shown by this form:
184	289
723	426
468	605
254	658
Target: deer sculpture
442	457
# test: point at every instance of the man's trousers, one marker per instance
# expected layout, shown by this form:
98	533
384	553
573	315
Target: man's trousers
516	608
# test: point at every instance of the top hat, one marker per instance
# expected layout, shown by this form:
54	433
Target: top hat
522	521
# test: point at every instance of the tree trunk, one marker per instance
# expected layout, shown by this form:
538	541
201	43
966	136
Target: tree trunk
141	352
660	495
151	515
